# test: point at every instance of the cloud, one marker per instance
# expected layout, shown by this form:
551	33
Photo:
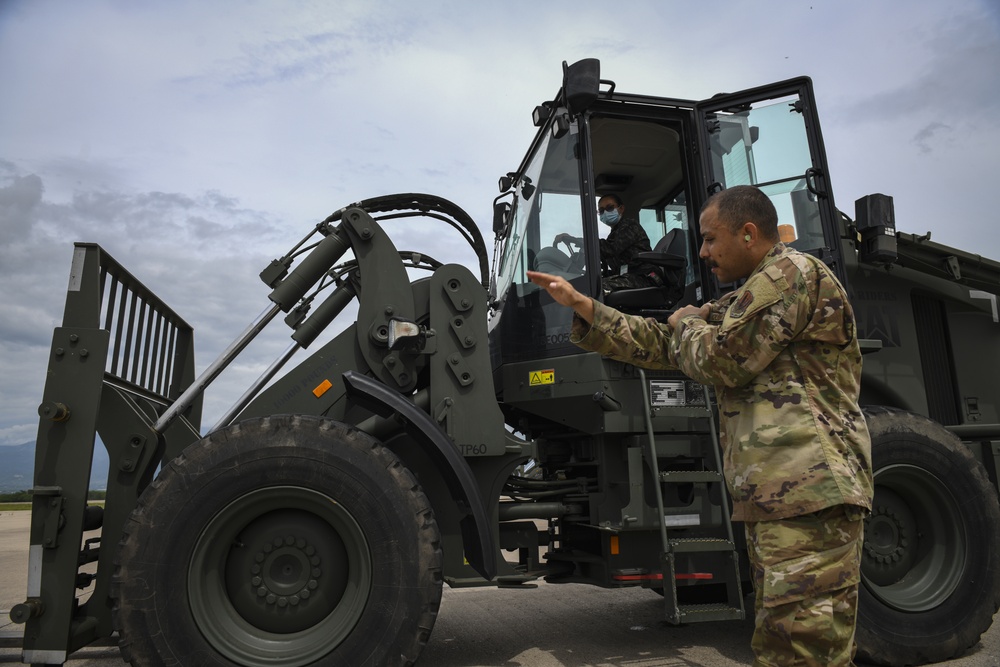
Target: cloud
953	59
18	201
201	254
924	137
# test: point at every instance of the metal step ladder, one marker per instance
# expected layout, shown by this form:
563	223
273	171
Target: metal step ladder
714	542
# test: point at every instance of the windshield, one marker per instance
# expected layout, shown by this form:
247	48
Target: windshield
552	210
767	146
544	233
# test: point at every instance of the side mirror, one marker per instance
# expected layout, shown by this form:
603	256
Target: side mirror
581	83
501	210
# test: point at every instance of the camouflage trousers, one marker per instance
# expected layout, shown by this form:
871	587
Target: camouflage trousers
806	571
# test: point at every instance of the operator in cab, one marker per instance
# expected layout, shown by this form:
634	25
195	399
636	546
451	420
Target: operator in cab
621	268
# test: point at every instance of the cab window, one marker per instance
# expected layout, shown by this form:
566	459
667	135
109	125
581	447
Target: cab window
766	145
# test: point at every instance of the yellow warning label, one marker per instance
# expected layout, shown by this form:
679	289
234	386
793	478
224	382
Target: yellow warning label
536	378
322	388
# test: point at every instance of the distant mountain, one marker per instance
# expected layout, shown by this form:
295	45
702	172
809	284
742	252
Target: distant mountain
17	465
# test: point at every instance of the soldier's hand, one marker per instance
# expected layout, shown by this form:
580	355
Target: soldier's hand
563	293
679	314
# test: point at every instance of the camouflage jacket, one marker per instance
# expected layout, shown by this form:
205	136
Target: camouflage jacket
783	355
626	240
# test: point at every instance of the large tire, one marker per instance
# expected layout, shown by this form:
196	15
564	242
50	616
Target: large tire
931	562
283	541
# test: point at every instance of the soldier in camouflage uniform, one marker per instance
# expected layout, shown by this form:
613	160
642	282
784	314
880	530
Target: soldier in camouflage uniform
783	355
621	267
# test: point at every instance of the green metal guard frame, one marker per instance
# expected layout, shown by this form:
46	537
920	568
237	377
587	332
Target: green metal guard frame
117	362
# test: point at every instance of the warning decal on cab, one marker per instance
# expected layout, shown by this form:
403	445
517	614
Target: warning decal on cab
536	378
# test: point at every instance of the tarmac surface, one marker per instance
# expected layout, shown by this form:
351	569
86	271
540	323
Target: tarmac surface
565	625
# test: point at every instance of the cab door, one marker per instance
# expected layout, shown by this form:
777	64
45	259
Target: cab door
770	137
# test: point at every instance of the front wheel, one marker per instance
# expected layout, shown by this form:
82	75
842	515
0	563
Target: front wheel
930	567
284	541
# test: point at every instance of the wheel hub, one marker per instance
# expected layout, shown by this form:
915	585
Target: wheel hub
286	571
275	574
890	539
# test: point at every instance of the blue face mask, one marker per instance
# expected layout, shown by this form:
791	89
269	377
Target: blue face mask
610	217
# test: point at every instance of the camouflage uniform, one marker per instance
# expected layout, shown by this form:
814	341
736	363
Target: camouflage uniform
621	268
806	572
783	355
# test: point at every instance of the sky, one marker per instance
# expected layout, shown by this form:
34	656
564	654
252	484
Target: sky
198	141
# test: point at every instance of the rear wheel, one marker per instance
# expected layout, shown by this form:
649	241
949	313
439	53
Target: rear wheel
284	541
931	561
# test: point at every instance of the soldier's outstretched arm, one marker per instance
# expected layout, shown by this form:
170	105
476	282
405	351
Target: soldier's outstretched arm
629	338
563	293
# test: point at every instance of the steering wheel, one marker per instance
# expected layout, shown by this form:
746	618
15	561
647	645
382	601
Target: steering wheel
577	262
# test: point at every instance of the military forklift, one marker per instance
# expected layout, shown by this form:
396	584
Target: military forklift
453	433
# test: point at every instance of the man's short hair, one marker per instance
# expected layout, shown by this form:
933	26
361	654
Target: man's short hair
745	203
